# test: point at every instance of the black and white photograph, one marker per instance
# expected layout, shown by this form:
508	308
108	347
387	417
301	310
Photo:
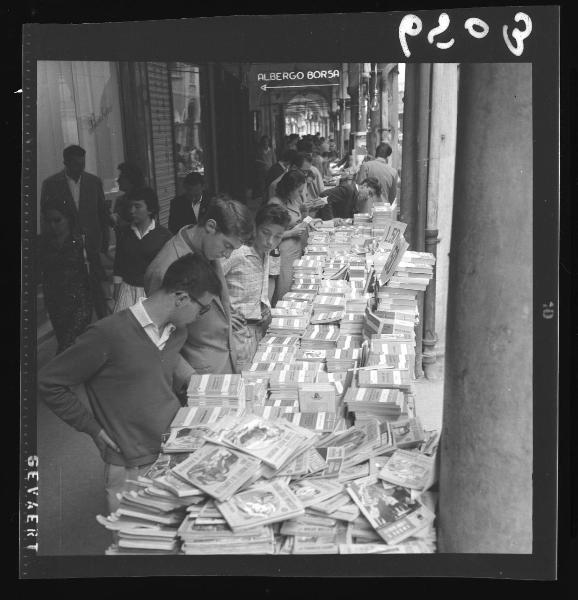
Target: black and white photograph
338	227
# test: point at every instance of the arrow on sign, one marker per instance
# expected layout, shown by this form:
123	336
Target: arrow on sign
266	87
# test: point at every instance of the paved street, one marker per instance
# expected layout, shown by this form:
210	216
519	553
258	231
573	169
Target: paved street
71	474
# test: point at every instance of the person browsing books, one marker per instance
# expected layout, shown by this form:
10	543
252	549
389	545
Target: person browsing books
130	365
247	275
224	226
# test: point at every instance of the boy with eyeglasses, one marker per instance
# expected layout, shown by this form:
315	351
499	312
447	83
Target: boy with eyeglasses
130	366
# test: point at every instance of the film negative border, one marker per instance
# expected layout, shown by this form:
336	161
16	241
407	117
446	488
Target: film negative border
28	435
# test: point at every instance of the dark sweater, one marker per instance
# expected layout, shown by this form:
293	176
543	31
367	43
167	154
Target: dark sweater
341	202
133	256
128	381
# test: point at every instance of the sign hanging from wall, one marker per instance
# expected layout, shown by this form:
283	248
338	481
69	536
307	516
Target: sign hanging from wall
305	78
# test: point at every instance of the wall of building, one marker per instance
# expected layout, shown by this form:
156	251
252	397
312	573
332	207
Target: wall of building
444	109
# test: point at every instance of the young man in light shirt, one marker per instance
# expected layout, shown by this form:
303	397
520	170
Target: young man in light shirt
130	365
224	226
247	276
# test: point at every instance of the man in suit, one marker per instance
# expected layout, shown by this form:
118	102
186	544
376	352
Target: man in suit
83	193
188	208
224	227
384	173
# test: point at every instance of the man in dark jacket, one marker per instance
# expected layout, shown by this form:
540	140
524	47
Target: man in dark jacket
83	193
189	207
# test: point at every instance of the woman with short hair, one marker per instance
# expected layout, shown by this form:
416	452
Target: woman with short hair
136	246
130	178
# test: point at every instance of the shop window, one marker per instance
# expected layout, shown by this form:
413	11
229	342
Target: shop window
78	103
187	119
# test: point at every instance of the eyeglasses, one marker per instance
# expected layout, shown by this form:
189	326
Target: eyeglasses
205	308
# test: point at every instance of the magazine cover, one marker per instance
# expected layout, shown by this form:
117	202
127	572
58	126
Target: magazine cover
216	470
263	503
390	509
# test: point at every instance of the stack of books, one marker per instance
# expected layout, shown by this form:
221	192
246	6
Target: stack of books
206	536
381	404
270	462
361	219
352	323
342	359
287	326
278	341
414	271
216	390
283	354
349	341
329	303
320	337
380	377
324	317
337	287
300	297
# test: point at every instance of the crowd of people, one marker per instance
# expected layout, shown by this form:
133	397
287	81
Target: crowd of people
195	297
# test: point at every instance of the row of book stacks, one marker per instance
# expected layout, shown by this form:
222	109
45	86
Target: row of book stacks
316	448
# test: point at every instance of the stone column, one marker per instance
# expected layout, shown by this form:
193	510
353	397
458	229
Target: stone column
414	173
431	230
393	110
486	447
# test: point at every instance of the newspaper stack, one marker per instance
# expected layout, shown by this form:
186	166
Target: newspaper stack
216	390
